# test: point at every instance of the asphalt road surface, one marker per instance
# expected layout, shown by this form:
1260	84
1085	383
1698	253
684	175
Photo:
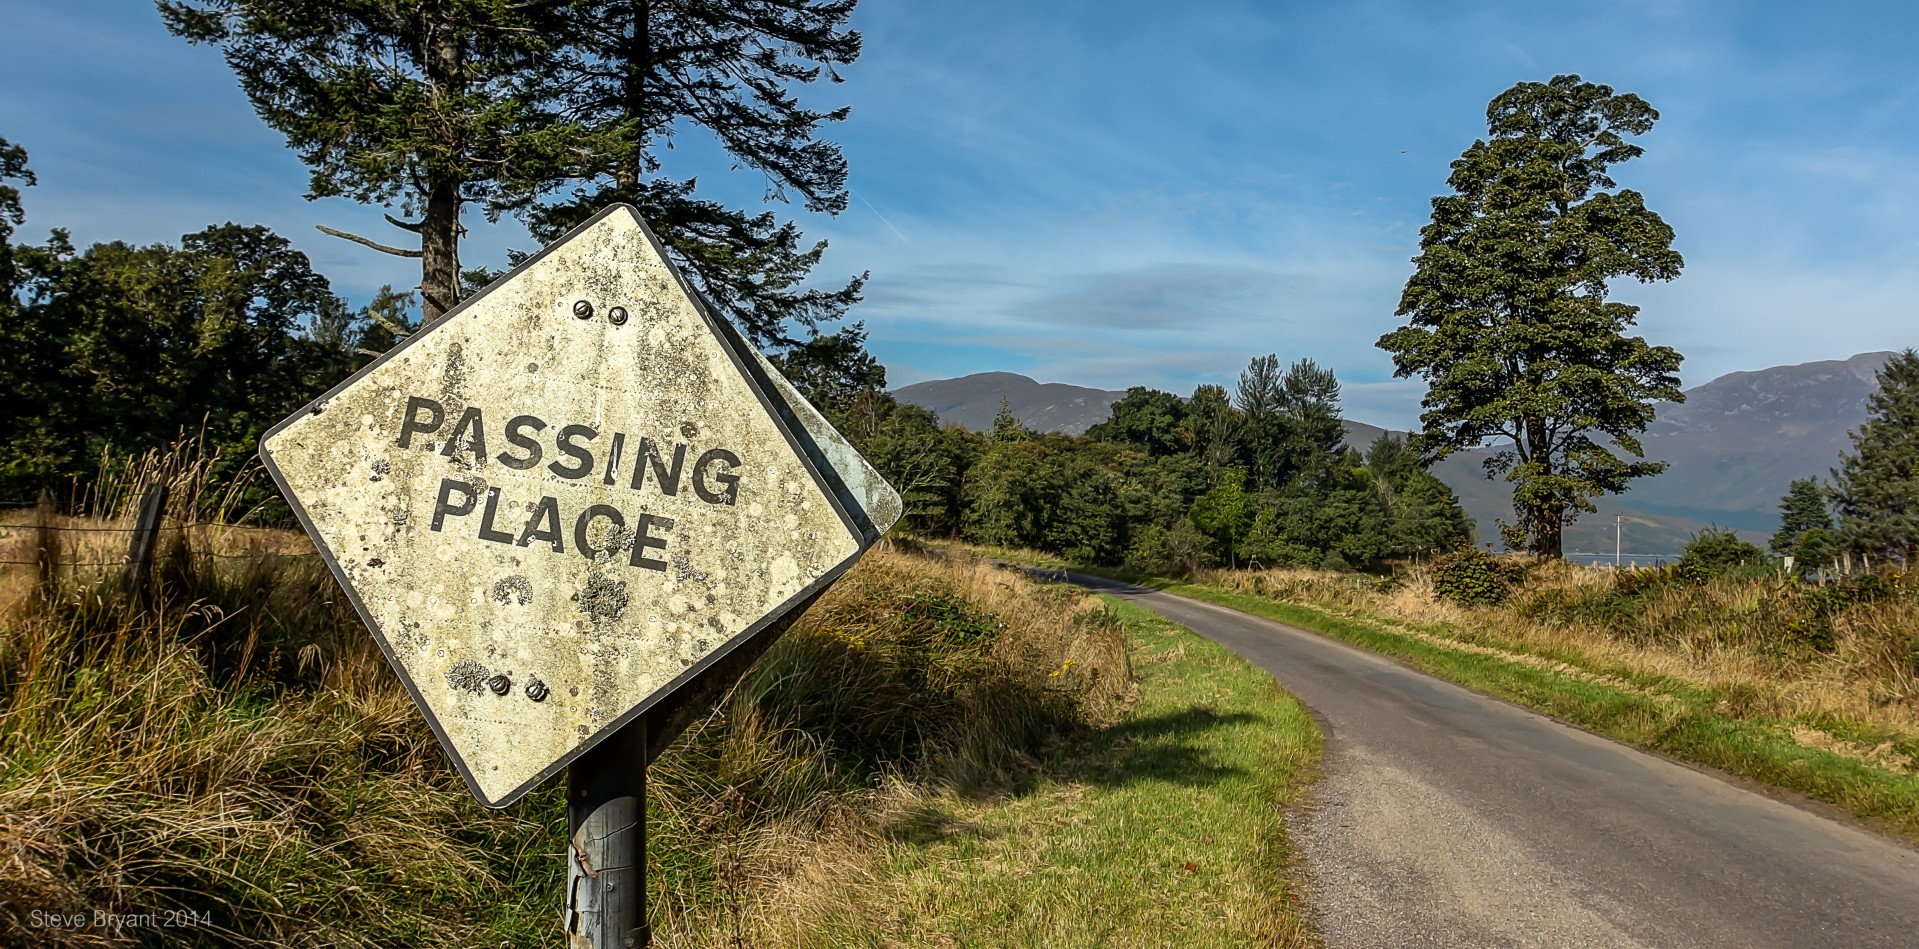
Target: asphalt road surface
1447	818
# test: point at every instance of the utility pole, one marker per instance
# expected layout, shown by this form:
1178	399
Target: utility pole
1618	530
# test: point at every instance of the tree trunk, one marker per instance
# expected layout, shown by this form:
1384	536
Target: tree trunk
1547	521
440	250
639	58
440	226
1549	534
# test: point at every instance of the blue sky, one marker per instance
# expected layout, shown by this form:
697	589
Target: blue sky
1117	193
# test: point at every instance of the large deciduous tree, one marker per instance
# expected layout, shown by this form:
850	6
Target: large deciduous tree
1876	486
13	167
423	106
1146	419
123	348
1508	317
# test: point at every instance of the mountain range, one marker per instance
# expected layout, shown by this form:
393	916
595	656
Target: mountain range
1732	446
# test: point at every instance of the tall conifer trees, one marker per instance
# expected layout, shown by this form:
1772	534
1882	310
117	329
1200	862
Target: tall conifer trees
553	109
1876	486
422	106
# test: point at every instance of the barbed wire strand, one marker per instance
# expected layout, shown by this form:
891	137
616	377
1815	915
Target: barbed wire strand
122	563
128	530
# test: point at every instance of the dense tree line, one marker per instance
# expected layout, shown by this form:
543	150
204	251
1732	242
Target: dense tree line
1260	476
120	348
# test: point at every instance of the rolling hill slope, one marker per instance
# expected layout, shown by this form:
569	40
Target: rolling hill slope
972	401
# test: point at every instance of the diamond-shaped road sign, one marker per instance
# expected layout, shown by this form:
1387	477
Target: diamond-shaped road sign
567	498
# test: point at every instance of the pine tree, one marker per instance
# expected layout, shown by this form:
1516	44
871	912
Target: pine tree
1424	513
1007	428
1801	511
1313	439
1876	486
1212	427
1508	318
419	105
637	73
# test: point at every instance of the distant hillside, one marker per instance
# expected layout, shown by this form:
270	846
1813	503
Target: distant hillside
973	401
1733	446
1740	439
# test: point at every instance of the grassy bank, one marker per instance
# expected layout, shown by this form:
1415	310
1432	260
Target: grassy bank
232	755
1163	828
1750	675
233	751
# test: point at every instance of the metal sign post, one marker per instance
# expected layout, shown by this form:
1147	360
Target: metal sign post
606	842
565	510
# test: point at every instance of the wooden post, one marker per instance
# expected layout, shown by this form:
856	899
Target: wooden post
46	544
145	530
606	849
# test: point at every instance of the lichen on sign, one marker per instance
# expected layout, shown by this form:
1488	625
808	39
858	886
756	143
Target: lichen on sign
549	517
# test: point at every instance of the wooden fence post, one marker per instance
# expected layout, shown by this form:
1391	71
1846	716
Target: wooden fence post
145	530
46	544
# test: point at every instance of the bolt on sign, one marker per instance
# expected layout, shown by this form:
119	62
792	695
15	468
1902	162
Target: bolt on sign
568	497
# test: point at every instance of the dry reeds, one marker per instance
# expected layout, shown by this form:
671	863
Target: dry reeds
234	751
913	676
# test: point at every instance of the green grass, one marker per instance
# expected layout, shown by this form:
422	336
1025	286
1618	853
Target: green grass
1165	829
1649	711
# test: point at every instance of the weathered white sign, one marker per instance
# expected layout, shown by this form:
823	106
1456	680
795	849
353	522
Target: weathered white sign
569	496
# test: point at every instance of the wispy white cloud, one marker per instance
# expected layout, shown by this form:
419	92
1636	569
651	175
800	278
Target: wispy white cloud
1098	193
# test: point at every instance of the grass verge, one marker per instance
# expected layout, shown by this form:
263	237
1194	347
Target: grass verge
231	753
1731	726
1163	828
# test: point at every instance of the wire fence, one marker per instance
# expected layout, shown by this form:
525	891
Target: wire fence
12	531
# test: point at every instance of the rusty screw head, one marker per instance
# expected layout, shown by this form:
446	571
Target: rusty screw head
617	315
500	684
536	690
583	310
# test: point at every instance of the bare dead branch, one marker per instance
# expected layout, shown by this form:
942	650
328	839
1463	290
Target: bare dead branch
357	239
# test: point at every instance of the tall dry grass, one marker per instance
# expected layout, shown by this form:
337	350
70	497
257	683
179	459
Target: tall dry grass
1842	659
913	677
234	748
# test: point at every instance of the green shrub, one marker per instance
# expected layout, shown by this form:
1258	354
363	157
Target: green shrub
1600	608
1472	577
1638	582
1716	552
